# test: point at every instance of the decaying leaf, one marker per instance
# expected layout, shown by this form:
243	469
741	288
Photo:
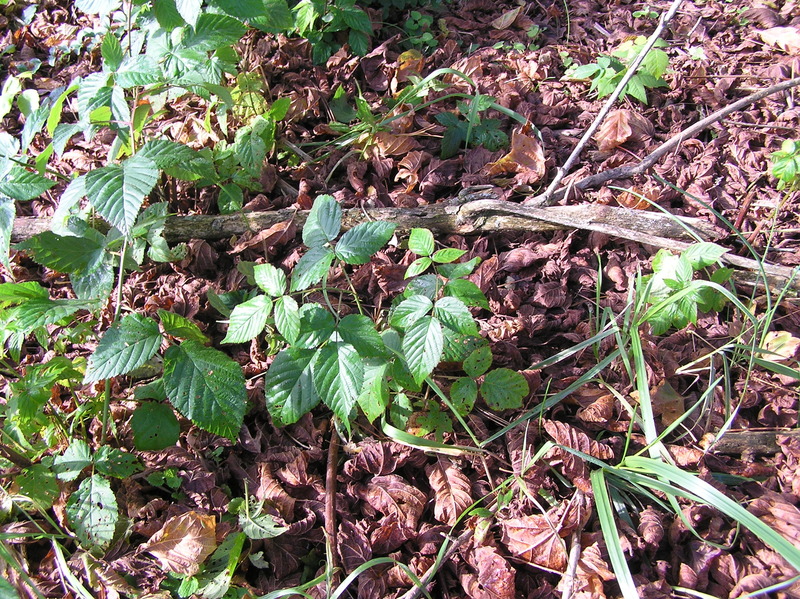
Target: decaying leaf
782	345
452	490
277	234
392	495
526	160
507	19
536	539
494	578
667	402
621	126
184	542
409	63
408	168
572	466
785	38
392	144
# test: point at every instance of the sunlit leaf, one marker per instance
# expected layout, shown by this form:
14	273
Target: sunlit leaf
92	512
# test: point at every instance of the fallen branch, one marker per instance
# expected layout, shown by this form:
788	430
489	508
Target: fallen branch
626	172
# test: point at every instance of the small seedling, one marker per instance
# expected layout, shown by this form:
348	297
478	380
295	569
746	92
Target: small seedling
418	27
472	130
645	13
786	165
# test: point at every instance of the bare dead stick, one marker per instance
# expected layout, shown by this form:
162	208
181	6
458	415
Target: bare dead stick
632	69
625	172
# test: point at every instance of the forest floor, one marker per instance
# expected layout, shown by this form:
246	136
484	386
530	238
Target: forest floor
548	291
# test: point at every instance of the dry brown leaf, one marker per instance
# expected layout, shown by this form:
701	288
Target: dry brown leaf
410	62
651	527
184	542
452	490
535	539
277	234
600	411
392	144
785	38
526	160
507	19
782	343
621	126
408	168
393	496
495	578
637	199
572	466
667	402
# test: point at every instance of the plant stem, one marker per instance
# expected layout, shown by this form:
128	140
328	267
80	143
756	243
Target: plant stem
117	310
332	569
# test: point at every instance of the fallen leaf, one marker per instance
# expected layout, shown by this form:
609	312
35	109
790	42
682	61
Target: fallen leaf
667	402
621	126
785	38
535	539
495	578
452	490
184	542
782	344
526	160
507	19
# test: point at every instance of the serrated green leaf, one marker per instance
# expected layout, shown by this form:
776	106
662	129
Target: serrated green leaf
426	285
22	185
287	318
138	71
423	344
111	461
124	347
206	386
118	191
181	327
65	253
42	312
455	315
258	525
19	292
92	512
111	51
270	279
361	242
324	222
447	255
316	326
463	394
701	255
374	396
94	92
421	242
168	154
359	331
248	319
167	14
504	389
288	387
458	270
69	465
97	7
417	267
231	198
7	214
479	361
189	10
311	268
466	291
154	427
338	373
250	149
214	31
39	484
409	311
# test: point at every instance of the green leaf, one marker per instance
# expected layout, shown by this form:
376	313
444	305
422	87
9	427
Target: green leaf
242	9
426	285
316	326
42	312
154	427
124	347
466	291
258	525
357	19
409	311
167	14
214	31
65	253
288	386
38	483
324	222
69	465
359	42
181	327
111	461
361	242
421	242
169	154
118	191
374	396
359	331
22	184
447	255
19	292
270	279
463	394
417	267
422	346
7	214
111	51
189	10
701	255
138	71
504	389
231	198
455	315
248	319
460	269
479	361
287	318
338	374
250	149
97	7
311	268
206	386
92	512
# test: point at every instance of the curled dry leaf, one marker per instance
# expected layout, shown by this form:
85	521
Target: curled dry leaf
667	402
651	527
785	38
536	539
392	495
507	19
354	546
782	345
525	160
408	168
621	126
276	235
184	542
494	578
452	490
393	144
574	467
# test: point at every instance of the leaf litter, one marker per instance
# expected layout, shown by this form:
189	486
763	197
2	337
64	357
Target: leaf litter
395	500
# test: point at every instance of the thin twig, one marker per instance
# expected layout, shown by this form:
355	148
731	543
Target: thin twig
330	507
631	71
625	172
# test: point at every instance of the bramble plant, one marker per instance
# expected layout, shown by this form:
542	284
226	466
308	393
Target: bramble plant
608	71
471	130
786	165
418	28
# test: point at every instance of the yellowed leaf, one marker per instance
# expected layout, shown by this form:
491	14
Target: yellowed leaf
526	159
184	542
782	344
667	402
785	38
409	63
507	19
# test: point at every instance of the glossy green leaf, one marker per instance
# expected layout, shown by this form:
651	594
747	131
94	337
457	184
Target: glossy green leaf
409	311
447	255
311	268
111	461
701	255
467	291
42	312
19	292
118	191
39	484
125	346
288	387
258	525
479	361
111	51
361	242
316	326
154	427
463	394
66	254
270	279
22	185
374	396
287	318
324	222
423	344
504	389
231	198
69	465
189	10
248	319
458	269
7	214
359	331
181	327
138	71
338	373
214	31
417	267
455	315
206	386
421	242
92	512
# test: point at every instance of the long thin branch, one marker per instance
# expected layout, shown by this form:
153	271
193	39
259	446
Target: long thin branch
625	172
629	74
